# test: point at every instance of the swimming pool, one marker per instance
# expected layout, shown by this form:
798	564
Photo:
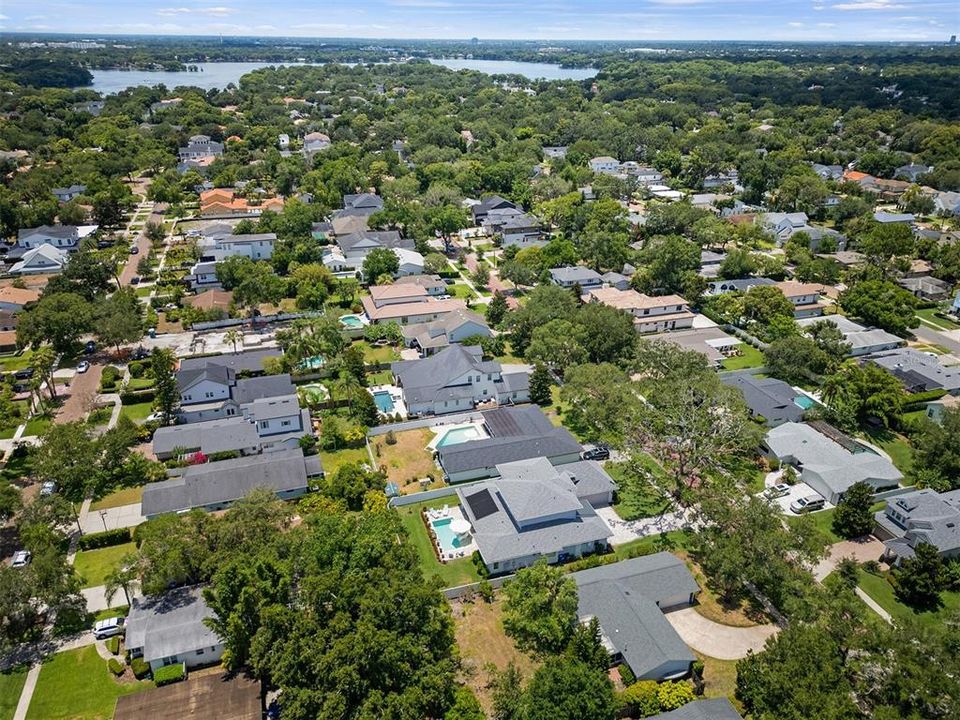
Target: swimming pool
384	401
804	402
446	537
351	321
459	435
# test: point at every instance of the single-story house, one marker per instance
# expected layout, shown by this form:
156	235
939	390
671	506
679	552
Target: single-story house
829	461
615	280
168	629
887	218
769	399
568	277
42	259
926	288
862	340
918	371
66	194
217	485
628	599
534	510
719	287
921	516
712	709
937	408
712	342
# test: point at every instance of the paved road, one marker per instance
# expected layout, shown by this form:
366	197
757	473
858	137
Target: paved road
950	341
722	642
143	244
862	550
82	394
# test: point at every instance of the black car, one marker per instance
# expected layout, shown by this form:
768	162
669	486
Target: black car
141	353
600	452
24	374
89	348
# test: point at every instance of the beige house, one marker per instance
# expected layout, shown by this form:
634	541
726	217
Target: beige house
650	314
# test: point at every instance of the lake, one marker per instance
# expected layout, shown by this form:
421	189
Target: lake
220	74
530	70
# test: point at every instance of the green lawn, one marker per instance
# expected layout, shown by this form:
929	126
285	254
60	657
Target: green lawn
648	545
332	461
637	496
11	683
77	684
140	383
929	314
822	521
455	572
377	354
137	412
19	464
382	377
94	565
896	446
461	291
37	425
10	362
126	496
882	593
750	358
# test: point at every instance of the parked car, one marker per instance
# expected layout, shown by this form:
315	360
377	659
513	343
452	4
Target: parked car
154	417
83	366
48	488
134	250
807	504
24	374
141	353
135	280
777	491
108	628
21	558
600	452
89	348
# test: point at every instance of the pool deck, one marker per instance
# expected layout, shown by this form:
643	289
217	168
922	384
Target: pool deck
440	431
396	395
452	513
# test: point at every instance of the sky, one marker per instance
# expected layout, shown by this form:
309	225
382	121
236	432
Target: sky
841	20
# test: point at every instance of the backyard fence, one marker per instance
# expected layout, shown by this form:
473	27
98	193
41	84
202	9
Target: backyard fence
429	421
454	593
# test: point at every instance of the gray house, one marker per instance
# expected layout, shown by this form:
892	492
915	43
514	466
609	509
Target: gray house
168	629
768	398
535	510
567	277
513	433
494	202
452	327
719	287
628	599
922	516
234	434
217	485
66	194
918	371
862	340
712	709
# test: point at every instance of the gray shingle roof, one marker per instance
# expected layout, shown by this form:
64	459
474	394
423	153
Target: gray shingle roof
917	370
234	433
169	624
575	274
226	481
924	517
625	598
771	398
428	379
249	238
721	286
269	386
214	373
712	709
250	360
375	238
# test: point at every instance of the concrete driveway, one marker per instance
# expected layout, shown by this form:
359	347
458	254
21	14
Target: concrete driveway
797	491
712	639
112	518
862	550
96	598
625	531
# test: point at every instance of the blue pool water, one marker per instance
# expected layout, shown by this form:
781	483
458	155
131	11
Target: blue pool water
458	435
351	321
803	401
445	536
384	401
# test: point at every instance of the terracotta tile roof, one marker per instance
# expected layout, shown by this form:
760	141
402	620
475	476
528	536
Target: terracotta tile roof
18	296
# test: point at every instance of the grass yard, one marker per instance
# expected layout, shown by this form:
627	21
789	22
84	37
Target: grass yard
461	291
100	416
119	611
750	357
508	356
77	684
140	383
11	684
882	593
138	412
10	362
895	445
823	521
19	465
126	496
673	540
637	496
37	425
483	643
719	678
452	573
333	461
377	354
94	565
929	316
381	377
407	460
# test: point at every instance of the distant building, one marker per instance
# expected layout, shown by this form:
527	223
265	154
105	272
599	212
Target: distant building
200	146
66	194
604	165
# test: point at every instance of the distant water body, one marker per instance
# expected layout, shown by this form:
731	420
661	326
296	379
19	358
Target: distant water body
220	74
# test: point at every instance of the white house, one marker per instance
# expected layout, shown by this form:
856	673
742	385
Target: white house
200	146
42	259
256	246
604	165
283	140
65	237
804	296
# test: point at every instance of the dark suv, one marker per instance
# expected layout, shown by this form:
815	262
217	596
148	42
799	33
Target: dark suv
600	452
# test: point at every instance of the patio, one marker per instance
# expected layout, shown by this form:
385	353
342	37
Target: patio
448	530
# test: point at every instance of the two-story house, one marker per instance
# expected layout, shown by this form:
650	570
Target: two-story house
804	296
200	146
922	516
406	304
256	246
493	202
650	314
349	252
63	237
604	165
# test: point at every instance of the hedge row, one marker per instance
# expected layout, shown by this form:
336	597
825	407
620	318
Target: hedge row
168	674
917	401
91	541
116	667
113	644
132	398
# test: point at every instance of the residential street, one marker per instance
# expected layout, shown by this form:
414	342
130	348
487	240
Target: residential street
81	394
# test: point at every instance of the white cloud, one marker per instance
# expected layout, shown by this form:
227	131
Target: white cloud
869	5
795	24
218	11
826	25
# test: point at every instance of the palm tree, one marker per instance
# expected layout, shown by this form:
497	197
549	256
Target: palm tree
233	336
345	386
122	578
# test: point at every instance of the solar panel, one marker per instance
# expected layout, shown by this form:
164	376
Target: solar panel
481	504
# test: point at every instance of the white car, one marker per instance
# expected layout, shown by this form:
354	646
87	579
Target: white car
48	488
21	558
83	366
108	628
810	503
776	491
155	417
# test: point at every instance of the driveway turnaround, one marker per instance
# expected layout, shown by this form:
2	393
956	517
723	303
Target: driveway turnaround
861	549
712	639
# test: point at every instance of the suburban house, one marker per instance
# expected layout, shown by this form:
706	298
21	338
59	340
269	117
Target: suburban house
200	146
203	275
351	250
555	151
615	280
918	371
828	172
315	142
69	193
515	228
232	434
926	287
283	141
710	263
220	202
62	237
804	296
947	203
711	342
628	600
770	400
410	262
215	392
645	175
719	287
216	486
650	314
783	224
886	218
454	327
14	299
208	300
458	379
573	275
604	165
921	516
534	510
40	260
510	434
168	629
432	284
494	202
911	172
829	461
407	304
862	340
712	709
222	245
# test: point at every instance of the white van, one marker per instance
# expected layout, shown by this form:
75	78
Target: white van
810	503
108	628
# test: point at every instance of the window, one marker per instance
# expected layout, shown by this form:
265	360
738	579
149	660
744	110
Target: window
188	397
264	424
208	394
231	411
200	651
284	423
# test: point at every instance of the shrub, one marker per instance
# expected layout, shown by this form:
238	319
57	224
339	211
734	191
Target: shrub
170	674
140	667
626	674
132	398
486	590
136	369
107	538
673	695
391	437
479	564
113	645
697	668
116	667
640	699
